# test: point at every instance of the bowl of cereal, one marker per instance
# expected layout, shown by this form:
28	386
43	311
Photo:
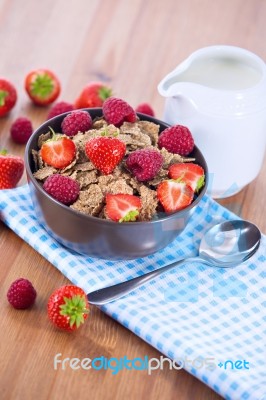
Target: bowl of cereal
111	183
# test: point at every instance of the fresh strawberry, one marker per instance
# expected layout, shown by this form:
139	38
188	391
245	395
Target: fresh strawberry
93	95
11	170
122	207
68	307
8	97
116	111
59	151
105	153
174	195
190	173
42	86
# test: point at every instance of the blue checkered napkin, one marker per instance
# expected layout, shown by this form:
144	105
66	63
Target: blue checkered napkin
210	320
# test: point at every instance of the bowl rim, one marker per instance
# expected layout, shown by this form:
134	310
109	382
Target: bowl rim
31	179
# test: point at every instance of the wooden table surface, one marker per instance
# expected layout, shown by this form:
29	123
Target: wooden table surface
131	45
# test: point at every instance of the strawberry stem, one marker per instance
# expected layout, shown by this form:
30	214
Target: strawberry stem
54	135
3	152
104	132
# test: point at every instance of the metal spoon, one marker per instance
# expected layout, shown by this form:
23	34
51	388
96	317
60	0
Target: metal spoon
224	245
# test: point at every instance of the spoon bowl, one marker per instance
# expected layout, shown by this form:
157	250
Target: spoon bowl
229	242
224	245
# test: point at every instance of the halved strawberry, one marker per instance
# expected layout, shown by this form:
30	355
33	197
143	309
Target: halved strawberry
122	207
58	152
190	173
174	195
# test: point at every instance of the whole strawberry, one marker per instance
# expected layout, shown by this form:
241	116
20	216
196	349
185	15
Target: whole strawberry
11	170
105	153
177	139
145	108
144	164
76	121
21	130
59	108
42	86
93	95
68	307
8	97
62	188
116	111
21	294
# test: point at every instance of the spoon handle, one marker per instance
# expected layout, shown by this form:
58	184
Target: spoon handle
114	292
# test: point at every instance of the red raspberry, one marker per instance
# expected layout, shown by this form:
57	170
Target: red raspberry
116	111
62	188
60	108
144	164
177	139
21	130
145	108
21	294
76	121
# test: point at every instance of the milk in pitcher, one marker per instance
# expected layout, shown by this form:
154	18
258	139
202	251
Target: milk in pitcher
220	73
219	93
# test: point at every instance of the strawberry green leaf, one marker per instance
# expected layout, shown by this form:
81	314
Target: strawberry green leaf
42	86
130	216
200	183
104	93
3	95
74	308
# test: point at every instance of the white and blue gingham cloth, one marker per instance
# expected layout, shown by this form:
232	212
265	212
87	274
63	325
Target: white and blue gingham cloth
193	314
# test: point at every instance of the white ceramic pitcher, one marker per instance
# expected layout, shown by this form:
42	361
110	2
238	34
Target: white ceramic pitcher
219	93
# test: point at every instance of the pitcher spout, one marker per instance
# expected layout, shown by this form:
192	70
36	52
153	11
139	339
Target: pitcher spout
178	89
181	99
175	86
170	85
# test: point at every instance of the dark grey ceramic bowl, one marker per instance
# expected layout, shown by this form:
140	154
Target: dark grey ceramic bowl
102	238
